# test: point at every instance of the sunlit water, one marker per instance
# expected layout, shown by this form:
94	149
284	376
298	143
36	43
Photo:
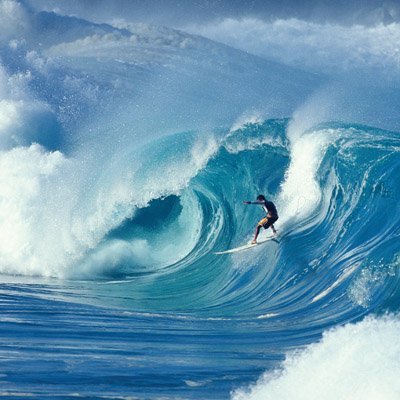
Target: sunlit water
125	159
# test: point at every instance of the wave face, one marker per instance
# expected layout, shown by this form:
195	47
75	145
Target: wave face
116	191
330	185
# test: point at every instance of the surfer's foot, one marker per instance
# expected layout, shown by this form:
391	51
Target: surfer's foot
254	241
275	232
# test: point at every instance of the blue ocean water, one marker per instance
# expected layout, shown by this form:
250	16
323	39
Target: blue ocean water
125	157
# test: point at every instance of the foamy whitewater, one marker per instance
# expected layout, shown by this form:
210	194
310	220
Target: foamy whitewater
126	151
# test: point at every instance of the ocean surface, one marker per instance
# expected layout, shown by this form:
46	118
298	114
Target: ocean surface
126	152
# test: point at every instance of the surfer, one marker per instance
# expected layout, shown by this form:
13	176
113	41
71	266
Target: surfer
268	221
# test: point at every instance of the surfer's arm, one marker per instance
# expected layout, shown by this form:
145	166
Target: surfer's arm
254	202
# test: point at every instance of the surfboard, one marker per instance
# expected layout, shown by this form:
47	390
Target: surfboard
248	245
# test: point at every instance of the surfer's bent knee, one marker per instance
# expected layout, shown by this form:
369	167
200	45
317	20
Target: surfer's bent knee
262	222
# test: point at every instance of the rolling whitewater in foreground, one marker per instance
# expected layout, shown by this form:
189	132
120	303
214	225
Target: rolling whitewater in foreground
126	151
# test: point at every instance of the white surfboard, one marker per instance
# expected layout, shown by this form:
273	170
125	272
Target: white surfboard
248	245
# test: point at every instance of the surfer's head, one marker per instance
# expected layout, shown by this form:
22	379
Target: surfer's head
261	197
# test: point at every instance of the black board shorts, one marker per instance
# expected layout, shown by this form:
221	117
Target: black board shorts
270	221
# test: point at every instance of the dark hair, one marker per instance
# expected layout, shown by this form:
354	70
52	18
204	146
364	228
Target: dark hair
261	197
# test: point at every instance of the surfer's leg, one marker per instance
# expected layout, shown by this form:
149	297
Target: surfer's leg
254	241
258	227
270	223
273	227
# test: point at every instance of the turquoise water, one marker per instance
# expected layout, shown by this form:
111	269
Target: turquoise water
125	159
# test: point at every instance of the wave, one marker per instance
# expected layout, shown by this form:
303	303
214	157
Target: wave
338	366
113	181
330	185
126	152
326	206
86	107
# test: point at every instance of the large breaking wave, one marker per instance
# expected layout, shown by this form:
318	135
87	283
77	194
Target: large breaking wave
126	152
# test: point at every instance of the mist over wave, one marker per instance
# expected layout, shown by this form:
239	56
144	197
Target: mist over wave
359	62
126	151
326	47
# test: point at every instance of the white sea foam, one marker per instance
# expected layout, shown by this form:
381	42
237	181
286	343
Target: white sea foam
49	223
357	361
248	118
24	178
300	191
